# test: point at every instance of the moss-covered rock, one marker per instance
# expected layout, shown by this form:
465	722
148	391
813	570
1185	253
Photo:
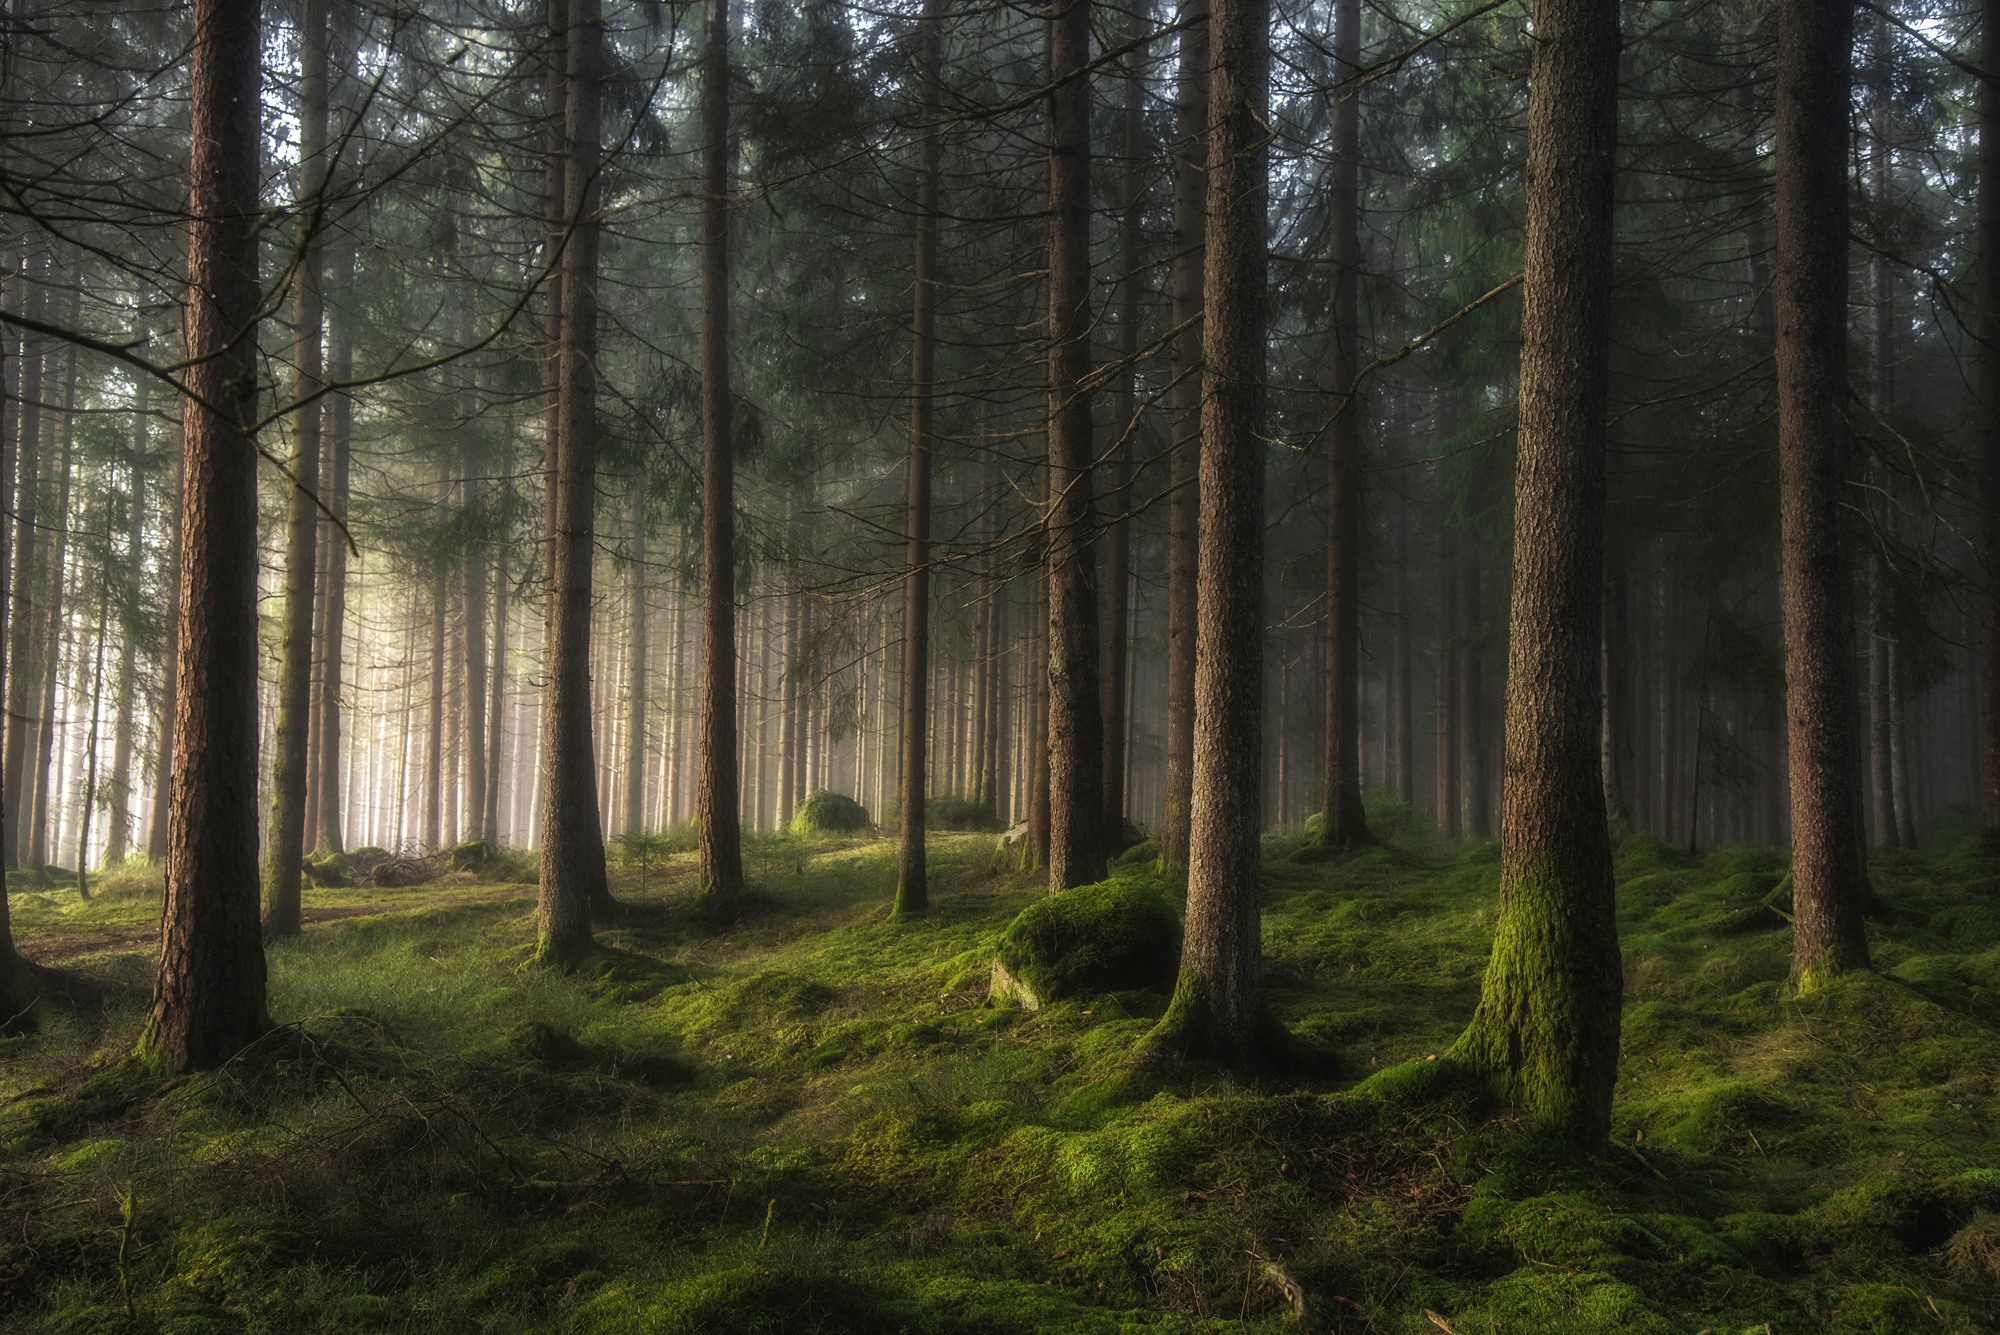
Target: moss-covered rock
1096	938
949	811
828	812
328	873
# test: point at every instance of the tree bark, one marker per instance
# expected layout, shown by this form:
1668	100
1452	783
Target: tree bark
1472	708
285	842
573	886
912	865
21	682
339	436
719	839
1184	509
1343	823
1987	379
54	620
1125	419
125	811
472	598
1217	1008
637	695
1546	1030
1447	768
1829	880
209	1000
434	768
489	821
1076	720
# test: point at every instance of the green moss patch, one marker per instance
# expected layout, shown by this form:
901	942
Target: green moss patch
1119	934
828	812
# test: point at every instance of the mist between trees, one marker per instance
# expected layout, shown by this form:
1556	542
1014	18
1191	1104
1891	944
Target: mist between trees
532	425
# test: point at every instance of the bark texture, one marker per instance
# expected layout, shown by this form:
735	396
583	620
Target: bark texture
1829	879
912	868
1217	1008
1343	824
209	1001
285	841
1987	389
719	836
1546	1030
1184	509
573	873
1076	720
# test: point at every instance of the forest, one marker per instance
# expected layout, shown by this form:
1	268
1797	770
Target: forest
965	668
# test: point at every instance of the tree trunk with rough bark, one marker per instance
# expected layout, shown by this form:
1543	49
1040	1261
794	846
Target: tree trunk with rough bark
1125	418
124	807
339	437
21	682
573	887
285	840
719	838
1829	878
1184	507
912	865
1217	1008
1076	720
209	1001
1343	823
1546	1030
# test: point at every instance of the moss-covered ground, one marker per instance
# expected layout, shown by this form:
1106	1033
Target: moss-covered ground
810	1120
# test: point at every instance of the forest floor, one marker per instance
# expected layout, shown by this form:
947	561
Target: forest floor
812	1119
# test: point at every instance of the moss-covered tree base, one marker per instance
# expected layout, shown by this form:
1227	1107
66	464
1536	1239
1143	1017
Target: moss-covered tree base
1546	1031
1190	1032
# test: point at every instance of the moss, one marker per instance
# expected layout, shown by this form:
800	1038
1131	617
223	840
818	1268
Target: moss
1118	934
827	812
454	1143
949	811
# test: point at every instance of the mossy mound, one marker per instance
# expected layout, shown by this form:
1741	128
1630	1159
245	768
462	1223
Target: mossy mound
1110	937
828	812
328	873
950	811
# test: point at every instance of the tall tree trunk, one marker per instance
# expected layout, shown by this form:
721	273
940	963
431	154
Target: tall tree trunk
209	1001
1343	823
21	682
489	820
638	697
1404	724
1987	378
720	840
912	864
125	807
573	886
1447	770
1076	721
1829	879
434	769
285	842
1615	660
472	597
1546	1031
1472	709
87	794
1125	421
54	618
1217	1008
1184	509
1881	786
339	436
